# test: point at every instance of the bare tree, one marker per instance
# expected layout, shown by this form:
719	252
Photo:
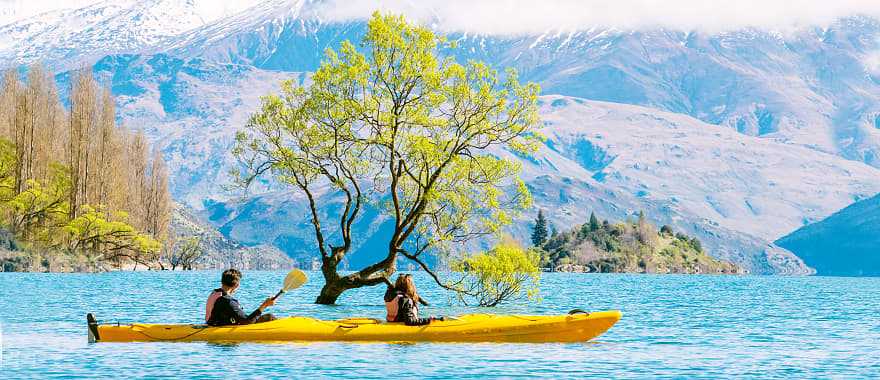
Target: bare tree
8	106
138	192
189	252
158	200
83	117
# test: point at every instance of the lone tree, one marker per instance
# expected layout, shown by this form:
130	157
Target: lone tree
539	232
393	123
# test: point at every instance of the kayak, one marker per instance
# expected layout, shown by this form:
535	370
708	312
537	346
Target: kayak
577	326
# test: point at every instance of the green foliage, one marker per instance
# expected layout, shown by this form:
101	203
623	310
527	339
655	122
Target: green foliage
503	273
99	232
394	121
633	246
187	254
7	168
36	211
39	217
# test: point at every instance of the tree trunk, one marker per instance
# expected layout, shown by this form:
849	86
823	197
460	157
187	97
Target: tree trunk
331	292
335	285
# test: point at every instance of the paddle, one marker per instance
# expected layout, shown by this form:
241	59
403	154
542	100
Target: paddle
294	279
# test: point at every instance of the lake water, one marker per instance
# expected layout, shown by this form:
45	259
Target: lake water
690	326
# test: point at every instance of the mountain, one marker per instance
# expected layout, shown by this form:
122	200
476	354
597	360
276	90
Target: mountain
758	186
814	87
222	252
736	193
70	37
737	138
615	158
191	109
844	244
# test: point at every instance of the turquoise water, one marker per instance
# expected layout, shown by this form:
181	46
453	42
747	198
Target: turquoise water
673	326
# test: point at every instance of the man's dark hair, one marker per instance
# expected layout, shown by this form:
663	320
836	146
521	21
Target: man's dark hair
231	277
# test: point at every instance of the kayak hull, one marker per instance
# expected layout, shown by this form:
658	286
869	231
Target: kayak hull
466	328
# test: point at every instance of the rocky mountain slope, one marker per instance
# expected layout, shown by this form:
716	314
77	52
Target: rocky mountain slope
737	138
844	244
814	86
736	193
817	86
222	252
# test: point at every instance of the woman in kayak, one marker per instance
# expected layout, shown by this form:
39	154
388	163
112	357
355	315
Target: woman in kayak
402	303
221	309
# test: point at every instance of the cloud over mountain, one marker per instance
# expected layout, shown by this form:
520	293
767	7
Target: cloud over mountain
517	17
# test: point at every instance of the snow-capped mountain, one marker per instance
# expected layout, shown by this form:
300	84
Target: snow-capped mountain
818	87
69	37
736	192
739	137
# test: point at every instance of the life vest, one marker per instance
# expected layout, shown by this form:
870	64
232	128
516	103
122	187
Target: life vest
209	306
392	307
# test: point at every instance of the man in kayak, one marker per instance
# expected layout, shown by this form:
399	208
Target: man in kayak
221	309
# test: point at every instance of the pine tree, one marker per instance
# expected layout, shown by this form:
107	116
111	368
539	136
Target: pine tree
539	233
594	222
646	232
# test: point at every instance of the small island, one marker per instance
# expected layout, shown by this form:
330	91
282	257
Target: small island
623	247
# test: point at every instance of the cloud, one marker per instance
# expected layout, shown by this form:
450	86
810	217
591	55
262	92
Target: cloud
516	17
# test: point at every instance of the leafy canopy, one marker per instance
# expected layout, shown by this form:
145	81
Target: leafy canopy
426	138
505	272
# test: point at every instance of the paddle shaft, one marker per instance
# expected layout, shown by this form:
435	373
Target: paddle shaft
280	292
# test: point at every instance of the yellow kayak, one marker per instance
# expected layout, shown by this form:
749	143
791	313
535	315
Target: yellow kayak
574	327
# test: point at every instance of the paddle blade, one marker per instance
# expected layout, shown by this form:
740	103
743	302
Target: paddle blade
294	279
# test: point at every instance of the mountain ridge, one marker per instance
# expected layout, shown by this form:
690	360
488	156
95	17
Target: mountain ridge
796	114
853	232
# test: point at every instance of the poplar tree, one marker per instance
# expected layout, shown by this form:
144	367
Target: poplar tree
67	178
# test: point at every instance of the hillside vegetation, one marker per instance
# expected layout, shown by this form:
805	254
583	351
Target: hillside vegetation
77	192
629	246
